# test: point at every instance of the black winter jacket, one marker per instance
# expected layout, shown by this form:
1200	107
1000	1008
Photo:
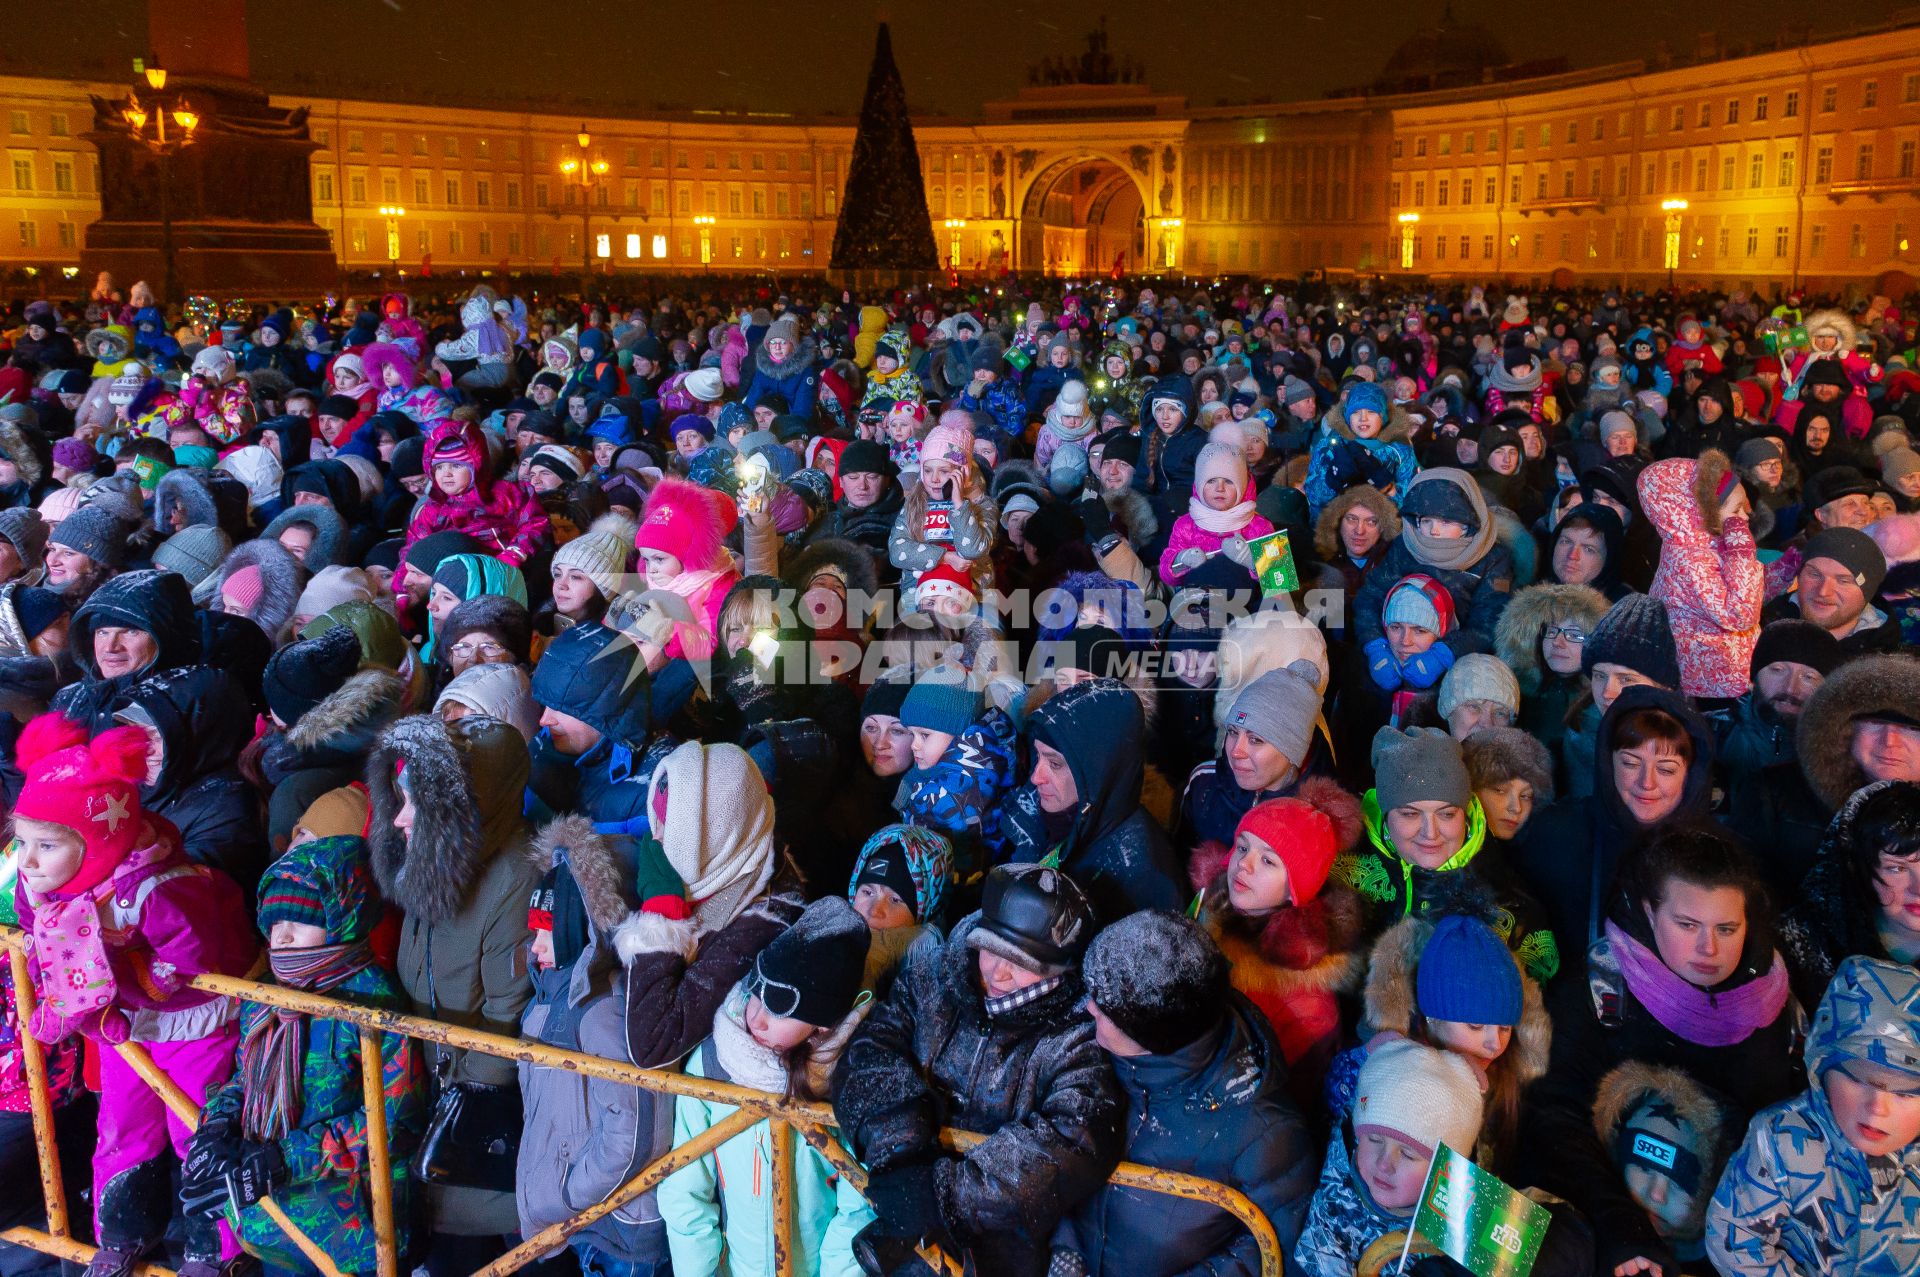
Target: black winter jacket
1032	1080
1218	1109
1108	844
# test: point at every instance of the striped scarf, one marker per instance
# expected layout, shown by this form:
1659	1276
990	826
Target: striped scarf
273	1053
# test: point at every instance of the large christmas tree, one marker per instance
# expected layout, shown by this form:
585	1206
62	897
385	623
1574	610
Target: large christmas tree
883	224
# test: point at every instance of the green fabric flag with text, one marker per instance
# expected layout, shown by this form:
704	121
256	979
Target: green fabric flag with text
1477	1220
1273	563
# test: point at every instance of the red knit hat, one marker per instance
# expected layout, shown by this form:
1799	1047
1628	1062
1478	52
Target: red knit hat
1306	832
91	787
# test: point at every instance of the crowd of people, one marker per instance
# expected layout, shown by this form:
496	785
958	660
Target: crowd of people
905	701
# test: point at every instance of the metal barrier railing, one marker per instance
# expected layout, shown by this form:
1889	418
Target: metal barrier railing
812	1121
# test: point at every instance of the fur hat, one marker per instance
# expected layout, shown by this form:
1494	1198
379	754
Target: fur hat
1496	755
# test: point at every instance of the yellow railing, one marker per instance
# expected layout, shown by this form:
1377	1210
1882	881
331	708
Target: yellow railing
813	1122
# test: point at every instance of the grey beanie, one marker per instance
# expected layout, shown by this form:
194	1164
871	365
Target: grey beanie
1420	764
1293	390
27	532
96	532
1281	707
194	552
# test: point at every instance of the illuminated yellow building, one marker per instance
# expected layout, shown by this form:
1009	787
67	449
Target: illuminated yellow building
1797	165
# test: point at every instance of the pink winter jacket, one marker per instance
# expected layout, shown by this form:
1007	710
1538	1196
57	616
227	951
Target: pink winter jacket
165	921
1188	535
1709	578
504	515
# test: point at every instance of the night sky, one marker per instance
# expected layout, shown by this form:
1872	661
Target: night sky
812	59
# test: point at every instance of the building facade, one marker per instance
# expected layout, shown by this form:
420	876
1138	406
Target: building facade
1791	166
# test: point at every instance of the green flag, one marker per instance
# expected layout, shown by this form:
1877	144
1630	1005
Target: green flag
1478	1221
1273	563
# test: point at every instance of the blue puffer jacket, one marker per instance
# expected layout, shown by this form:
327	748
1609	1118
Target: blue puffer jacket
795	378
1798	1198
608	782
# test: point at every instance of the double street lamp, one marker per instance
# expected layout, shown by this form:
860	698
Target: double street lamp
586	171
164	146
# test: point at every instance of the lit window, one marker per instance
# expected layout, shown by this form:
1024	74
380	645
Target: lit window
633	244
659	246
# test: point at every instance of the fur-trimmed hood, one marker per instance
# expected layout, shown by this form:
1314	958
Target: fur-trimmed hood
1860	687
1389	1005
598	868
802	357
1133	516
1012	473
281	579
1681	496
23	448
329	530
361	706
1326	529
1835	322
1516	639
852	563
209	498
1620	1093
466	779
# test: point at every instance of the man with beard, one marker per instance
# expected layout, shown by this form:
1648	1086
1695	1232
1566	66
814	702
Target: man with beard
1841	569
1790	662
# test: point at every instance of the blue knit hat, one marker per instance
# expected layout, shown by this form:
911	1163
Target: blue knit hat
941	701
1467	975
1365	396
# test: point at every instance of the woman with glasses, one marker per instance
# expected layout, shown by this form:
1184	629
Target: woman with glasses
1542	636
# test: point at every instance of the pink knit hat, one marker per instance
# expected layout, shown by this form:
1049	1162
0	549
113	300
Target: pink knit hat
947	443
91	787
689	522
58	504
242	590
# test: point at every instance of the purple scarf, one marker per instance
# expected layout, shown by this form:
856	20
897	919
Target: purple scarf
1703	1018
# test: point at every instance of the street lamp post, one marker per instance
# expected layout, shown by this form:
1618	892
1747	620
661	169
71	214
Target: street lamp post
164	146
705	225
1673	210
1408	224
587	169
954	226
393	213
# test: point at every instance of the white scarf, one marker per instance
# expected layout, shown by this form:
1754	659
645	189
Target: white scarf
1221	523
745	1060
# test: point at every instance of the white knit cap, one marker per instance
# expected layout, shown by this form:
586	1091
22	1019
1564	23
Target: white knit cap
1419	1094
705	385
1220	460
602	552
1479	677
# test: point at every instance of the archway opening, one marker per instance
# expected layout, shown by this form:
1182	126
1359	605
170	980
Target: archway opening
1083	216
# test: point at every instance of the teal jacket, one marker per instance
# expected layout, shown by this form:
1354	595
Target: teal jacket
736	1182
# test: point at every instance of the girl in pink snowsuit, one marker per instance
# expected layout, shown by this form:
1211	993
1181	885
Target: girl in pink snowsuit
1220	518
462	494
119	920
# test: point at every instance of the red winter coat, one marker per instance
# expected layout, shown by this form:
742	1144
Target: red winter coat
1298	967
1708	577
504	515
